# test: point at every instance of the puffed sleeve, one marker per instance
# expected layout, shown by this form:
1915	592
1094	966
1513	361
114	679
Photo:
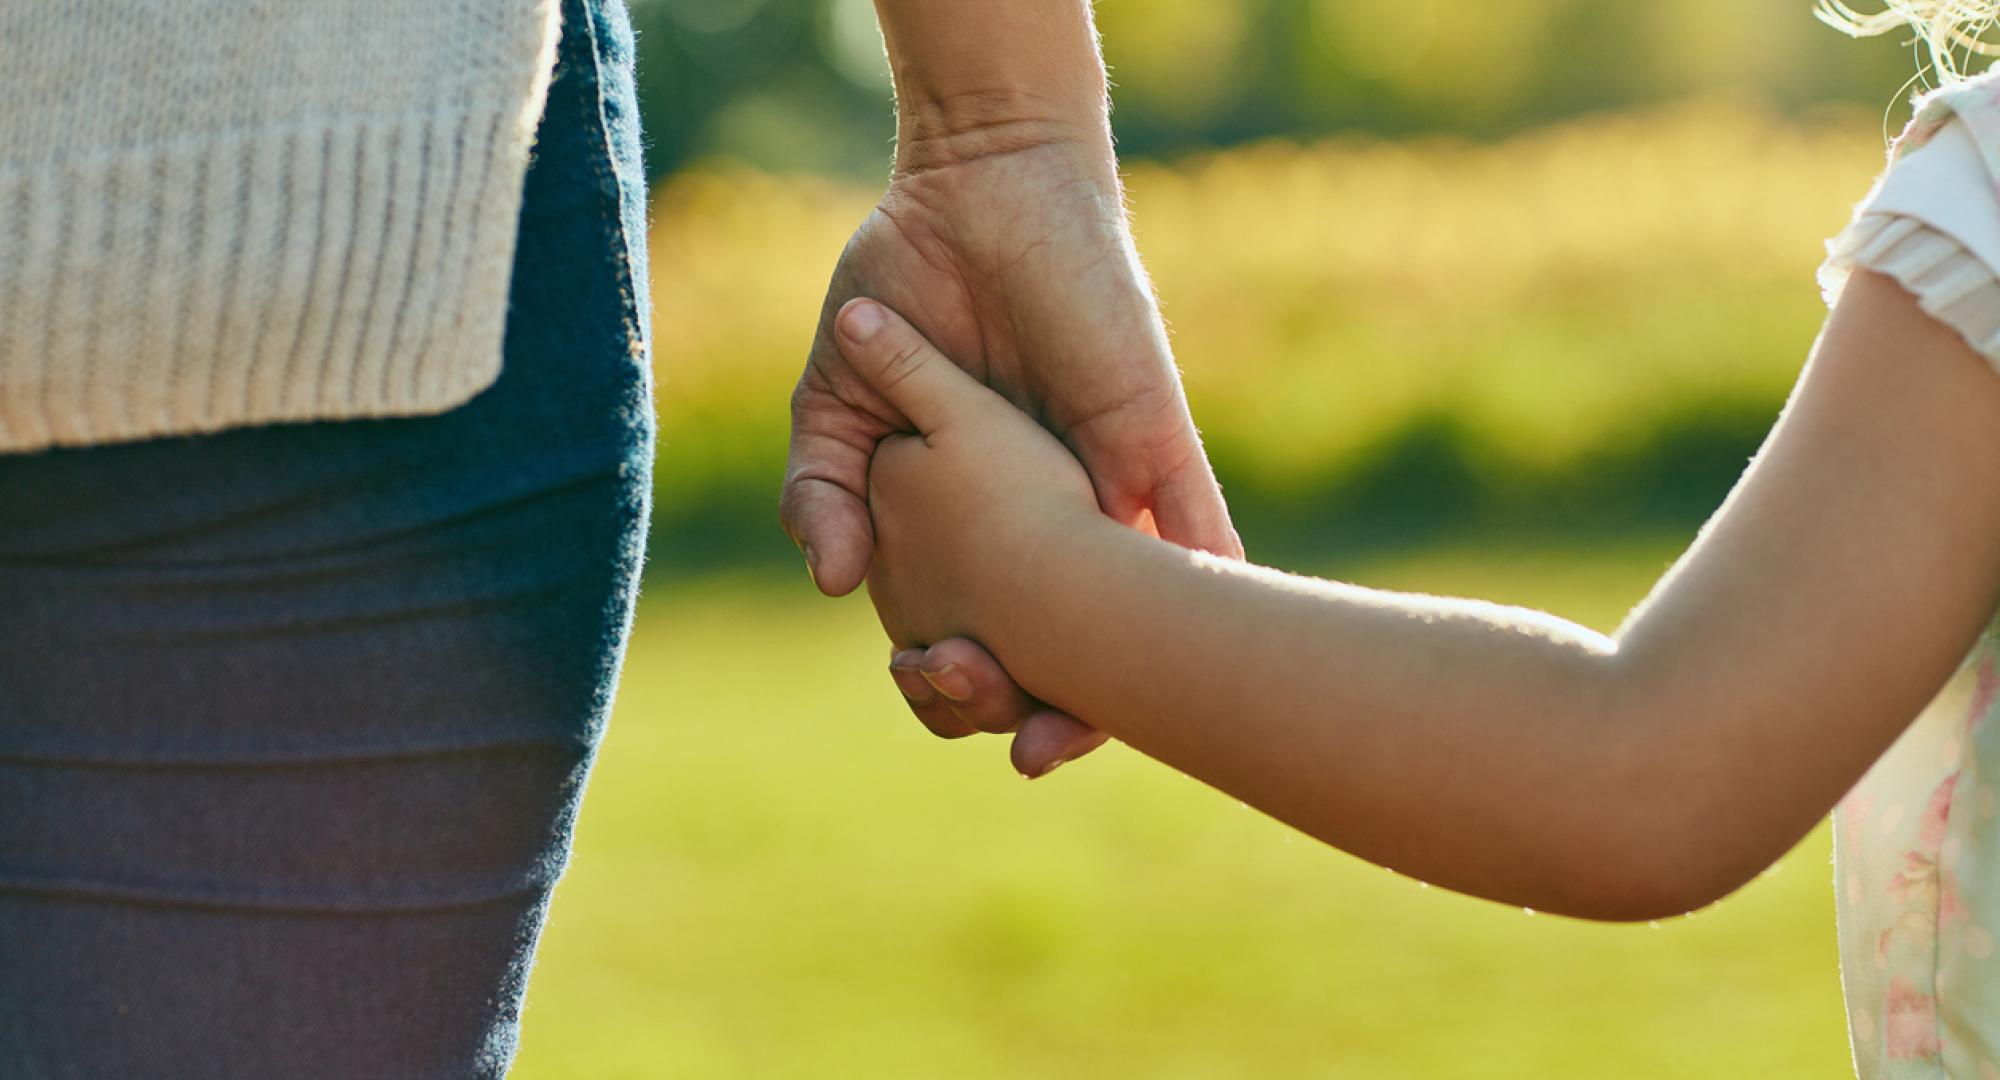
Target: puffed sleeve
1932	222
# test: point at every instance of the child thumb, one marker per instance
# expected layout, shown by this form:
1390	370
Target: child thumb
897	363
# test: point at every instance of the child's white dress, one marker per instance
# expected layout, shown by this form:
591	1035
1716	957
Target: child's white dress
1917	842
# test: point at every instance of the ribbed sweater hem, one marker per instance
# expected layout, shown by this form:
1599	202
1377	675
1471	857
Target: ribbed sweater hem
382	249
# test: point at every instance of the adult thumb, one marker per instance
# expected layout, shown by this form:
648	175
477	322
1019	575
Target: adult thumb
1189	510
898	363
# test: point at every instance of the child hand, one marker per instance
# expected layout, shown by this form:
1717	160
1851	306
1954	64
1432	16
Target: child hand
962	507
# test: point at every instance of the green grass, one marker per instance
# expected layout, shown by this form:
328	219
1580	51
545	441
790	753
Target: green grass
778	874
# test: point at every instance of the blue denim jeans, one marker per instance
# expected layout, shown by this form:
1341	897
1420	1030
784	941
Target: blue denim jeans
295	719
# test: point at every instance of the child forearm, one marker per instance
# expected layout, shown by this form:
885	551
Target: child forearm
1492	750
1467	744
1513	756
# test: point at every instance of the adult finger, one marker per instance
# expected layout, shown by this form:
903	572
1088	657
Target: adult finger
1149	469
1188	508
1048	739
822	507
832	528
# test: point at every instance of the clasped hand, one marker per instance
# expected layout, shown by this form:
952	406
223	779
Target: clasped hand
1018	269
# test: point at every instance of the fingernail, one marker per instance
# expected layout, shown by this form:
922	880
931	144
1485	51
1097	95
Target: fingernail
1047	769
951	682
812	563
908	658
863	321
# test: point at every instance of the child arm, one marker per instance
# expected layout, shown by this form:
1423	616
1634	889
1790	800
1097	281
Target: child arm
1497	751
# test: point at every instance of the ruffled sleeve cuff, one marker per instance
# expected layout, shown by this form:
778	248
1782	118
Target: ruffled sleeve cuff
1932	222
1951	284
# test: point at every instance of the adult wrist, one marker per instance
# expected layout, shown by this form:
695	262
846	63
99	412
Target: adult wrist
978	78
935	131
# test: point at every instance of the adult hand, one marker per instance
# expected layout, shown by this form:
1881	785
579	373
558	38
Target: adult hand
1009	250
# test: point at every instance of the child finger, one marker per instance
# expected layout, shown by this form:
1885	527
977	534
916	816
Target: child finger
1048	739
932	711
898	363
978	689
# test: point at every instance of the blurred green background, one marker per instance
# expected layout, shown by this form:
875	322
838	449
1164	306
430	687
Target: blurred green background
1483	299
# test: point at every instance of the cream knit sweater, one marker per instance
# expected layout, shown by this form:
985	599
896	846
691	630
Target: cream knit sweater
225	212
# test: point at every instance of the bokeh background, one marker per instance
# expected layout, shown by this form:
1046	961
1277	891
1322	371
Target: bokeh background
1476	298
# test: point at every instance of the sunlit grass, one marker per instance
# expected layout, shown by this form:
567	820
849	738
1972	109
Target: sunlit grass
780	875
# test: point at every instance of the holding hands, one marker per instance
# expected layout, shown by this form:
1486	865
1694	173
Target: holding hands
1002	240
961	508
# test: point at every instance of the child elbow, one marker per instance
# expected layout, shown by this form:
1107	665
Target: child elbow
1668	833
1650	899
1651	847
1660	873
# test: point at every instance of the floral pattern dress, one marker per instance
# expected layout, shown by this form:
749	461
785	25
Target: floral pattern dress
1917	840
1914	853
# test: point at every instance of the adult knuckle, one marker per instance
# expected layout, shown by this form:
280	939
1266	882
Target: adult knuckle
791	511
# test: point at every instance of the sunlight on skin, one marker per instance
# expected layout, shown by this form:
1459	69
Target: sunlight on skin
1505	756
